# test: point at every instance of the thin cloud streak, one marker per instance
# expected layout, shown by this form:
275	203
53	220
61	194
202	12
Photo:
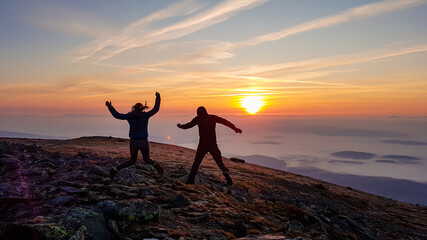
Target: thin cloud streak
356	13
321	63
136	34
133	30
62	18
223	50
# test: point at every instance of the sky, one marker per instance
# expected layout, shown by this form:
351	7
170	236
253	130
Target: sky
278	57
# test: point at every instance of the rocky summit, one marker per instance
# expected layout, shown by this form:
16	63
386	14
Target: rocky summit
60	189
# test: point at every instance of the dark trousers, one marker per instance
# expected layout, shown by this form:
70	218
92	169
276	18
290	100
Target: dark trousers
200	154
135	146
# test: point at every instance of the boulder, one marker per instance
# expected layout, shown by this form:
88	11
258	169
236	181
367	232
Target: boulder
63	200
294	226
9	164
127	176
179	200
97	170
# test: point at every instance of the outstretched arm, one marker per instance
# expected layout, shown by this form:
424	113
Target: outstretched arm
228	124
156	106
188	125
114	112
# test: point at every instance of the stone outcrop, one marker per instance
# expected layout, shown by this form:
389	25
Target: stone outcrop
51	189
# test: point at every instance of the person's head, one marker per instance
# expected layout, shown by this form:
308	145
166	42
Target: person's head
139	107
201	112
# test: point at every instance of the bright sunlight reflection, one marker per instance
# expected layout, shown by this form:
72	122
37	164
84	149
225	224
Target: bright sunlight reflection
252	104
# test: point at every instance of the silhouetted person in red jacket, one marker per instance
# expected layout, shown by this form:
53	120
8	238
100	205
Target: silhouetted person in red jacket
207	141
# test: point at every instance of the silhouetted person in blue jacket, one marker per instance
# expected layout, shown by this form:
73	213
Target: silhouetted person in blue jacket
138	133
207	141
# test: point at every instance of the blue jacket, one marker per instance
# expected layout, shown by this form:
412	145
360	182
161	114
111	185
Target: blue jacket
138	121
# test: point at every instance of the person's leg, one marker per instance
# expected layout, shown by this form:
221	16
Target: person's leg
216	154
133	146
145	150
197	161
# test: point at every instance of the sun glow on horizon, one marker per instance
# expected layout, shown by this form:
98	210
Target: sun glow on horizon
252	104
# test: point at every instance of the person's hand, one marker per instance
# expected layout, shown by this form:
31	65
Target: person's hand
238	130
179	125
108	103
157	94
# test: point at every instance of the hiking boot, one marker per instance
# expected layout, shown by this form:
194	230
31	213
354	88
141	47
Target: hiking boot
113	173
159	168
228	178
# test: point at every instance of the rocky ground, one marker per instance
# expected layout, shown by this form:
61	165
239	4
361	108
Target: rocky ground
59	189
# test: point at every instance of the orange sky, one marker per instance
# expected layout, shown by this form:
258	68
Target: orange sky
353	58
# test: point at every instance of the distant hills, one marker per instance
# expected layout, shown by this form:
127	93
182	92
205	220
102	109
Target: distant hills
399	189
11	134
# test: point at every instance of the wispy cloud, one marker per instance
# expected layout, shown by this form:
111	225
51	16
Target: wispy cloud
322	63
364	11
62	18
138	35
368	10
215	51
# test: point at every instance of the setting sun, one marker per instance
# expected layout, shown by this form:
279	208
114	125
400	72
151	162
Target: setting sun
252	104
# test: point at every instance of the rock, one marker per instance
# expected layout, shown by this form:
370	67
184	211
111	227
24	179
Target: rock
63	201
3	146
67	183
5	189
97	170
145	167
9	164
84	155
52	231
323	237
138	211
70	190
127	176
109	209
240	228
144	192
21	213
47	165
123	216
40	211
237	160
242	195
198	216
178	172
38	175
294	226
122	194
86	224
177	201
266	237
217	236
55	155
94	178
18	232
348	224
32	148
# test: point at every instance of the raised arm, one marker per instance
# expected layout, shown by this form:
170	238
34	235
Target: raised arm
228	124
113	112
188	125
156	106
